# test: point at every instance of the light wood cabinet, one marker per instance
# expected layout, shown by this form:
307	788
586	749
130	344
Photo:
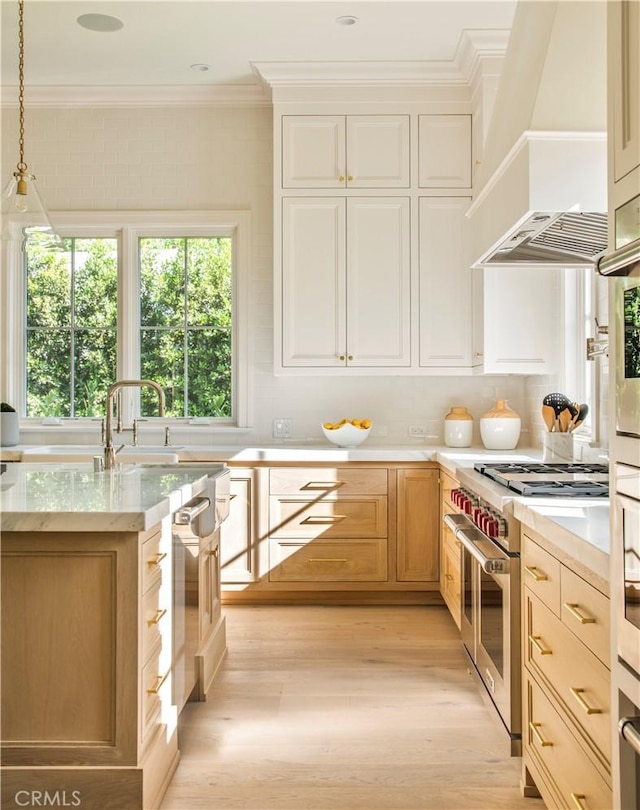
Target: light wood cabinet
356	532
444	151
238	546
338	151
567	682
445	297
450	576
96	610
212	645
345	282
418	553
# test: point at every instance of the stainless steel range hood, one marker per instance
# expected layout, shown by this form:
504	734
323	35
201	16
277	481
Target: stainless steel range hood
554	238
541	196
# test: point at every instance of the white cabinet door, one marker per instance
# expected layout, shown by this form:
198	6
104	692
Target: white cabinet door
445	283
378	151
522	320
345	282
624	55
444	151
337	151
313	281
313	151
378	281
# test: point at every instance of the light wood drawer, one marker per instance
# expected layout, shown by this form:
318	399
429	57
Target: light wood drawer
152	556
344	517
585	611
154	620
328	561
316	481
554	749
155	689
580	681
541	573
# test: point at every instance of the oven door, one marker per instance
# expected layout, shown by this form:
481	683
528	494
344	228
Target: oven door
491	618
625	564
627	355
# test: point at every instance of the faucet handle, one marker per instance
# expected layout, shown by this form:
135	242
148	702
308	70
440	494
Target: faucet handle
136	423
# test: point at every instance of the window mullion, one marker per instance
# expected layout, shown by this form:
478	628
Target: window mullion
128	363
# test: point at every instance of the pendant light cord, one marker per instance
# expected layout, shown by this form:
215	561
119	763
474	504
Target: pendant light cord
22	166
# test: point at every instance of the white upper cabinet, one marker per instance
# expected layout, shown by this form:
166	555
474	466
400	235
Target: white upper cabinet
338	151
624	55
445	283
345	282
444	151
519	315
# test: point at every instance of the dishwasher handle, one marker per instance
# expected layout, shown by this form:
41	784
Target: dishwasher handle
189	513
629	732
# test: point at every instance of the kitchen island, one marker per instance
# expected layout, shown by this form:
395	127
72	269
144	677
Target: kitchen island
88	713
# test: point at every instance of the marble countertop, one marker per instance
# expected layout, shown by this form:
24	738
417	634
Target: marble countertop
60	496
576	531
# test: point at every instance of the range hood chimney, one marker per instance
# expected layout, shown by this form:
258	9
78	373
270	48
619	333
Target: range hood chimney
541	188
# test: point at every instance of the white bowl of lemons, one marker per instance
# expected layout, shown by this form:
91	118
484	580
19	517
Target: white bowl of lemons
348	432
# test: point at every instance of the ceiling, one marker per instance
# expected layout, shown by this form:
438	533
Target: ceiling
161	39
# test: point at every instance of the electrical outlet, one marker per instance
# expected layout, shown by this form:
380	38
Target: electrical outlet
417	431
282	428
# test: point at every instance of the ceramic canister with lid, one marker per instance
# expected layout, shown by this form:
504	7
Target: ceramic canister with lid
500	427
458	428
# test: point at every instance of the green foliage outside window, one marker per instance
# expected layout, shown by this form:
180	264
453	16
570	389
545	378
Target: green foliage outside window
185	326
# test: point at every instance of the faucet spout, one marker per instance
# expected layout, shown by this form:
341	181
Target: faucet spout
112	390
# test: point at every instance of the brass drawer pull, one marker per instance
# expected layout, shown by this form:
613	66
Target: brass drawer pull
536	733
536	643
328	559
573	610
156	619
160	679
323	485
533	572
157	559
578	799
322	520
214	552
232	496
577	693
448	577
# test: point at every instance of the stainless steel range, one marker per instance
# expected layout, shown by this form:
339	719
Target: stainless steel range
489	537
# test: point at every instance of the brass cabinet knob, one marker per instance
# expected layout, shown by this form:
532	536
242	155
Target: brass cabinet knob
341	178
350	178
341	357
350	357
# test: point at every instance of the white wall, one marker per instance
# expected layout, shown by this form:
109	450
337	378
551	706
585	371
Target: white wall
207	158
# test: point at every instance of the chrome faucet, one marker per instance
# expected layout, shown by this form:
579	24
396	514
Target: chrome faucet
112	390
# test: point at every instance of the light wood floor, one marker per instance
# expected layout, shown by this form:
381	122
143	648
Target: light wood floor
343	708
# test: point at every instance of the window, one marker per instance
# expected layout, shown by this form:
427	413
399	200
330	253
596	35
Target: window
156	301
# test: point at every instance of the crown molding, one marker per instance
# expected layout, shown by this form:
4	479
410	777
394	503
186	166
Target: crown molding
230	95
356	74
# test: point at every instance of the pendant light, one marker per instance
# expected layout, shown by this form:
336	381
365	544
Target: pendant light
24	215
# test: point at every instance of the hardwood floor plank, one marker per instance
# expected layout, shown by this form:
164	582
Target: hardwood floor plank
343	708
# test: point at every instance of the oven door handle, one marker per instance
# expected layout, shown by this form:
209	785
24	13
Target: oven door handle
492	565
629	733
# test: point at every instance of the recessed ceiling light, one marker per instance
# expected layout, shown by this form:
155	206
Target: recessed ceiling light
99	22
200	67
347	19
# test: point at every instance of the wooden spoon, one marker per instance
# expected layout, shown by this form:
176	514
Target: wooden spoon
549	417
564	418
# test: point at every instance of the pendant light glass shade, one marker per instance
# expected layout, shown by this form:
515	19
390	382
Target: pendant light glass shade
24	215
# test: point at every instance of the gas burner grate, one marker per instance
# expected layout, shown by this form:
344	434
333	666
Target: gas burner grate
493	469
567	489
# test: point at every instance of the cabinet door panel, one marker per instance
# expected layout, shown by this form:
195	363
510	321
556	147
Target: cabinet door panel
378	151
444	148
313	282
238	553
378	282
624	55
313	151
418	519
445	283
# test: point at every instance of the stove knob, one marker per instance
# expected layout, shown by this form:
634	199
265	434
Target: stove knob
475	515
502	528
485	522
492	527
455	496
